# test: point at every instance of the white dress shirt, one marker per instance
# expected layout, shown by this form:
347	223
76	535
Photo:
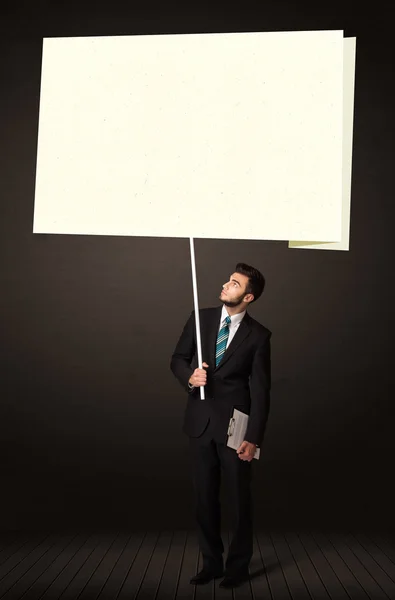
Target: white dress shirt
235	321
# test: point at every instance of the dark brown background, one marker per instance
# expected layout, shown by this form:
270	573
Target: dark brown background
90	415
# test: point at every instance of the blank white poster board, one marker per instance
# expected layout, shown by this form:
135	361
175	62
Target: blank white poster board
234	136
348	122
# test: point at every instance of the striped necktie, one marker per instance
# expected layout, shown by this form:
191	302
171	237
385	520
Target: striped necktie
222	340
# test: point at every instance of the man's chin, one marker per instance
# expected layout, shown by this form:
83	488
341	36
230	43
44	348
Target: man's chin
227	303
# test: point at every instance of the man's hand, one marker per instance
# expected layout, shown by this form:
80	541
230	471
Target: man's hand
199	376
246	451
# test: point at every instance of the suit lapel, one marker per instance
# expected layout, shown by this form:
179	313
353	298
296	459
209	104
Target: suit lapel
242	332
212	331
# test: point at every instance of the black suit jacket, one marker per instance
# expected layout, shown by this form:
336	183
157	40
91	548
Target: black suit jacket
241	380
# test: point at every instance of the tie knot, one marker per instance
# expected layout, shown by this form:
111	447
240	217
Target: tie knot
227	320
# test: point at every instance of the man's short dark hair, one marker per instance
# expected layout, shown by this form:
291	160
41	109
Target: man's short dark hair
256	281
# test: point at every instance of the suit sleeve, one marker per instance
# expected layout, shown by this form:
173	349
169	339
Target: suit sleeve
183	354
260	384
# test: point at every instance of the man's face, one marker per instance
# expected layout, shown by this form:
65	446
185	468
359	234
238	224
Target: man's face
234	291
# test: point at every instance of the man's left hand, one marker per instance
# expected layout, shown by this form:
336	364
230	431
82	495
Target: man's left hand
246	451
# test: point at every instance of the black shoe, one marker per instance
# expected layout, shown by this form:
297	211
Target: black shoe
231	581
204	576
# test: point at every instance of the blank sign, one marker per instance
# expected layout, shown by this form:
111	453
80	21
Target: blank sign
348	122
201	135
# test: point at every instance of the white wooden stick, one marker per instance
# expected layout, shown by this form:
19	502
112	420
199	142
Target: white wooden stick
197	320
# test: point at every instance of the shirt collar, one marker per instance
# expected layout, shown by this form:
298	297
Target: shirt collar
234	319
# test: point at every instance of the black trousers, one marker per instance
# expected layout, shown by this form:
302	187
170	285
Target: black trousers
209	458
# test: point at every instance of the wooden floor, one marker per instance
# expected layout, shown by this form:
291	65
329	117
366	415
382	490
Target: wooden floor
158	565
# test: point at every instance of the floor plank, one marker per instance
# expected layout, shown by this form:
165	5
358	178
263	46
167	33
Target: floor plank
41	585
309	574
83	576
323	567
188	568
158	565
10	547
171	572
72	568
385	546
295	582
122	566
17	553
356	566
36	569
22	561
260	587
140	564
275	575
378	555
8	539
99	577
347	578
150	585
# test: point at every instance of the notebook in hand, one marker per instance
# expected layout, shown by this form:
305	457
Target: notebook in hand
236	431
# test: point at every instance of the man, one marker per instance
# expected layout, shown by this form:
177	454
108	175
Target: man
236	374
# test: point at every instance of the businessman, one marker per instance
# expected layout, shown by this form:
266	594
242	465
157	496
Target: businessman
235	374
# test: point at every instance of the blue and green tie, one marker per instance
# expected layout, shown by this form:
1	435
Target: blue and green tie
222	340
